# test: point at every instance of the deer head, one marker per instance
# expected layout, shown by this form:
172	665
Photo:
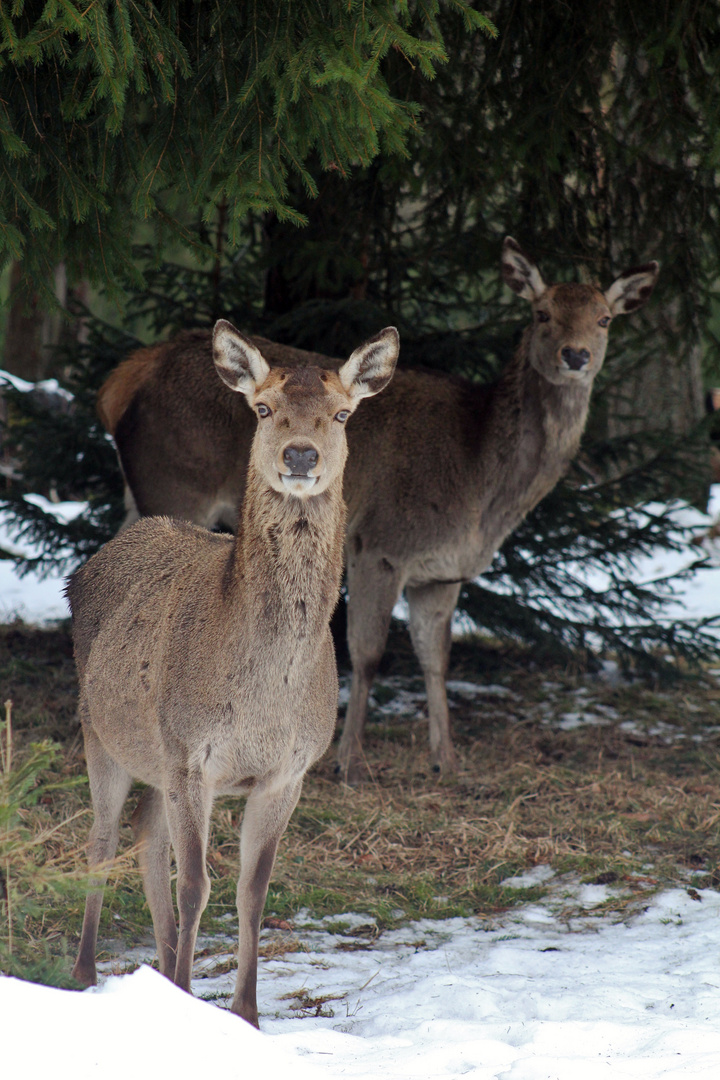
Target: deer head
300	445
568	338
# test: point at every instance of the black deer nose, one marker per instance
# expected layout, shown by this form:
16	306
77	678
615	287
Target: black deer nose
300	459
576	359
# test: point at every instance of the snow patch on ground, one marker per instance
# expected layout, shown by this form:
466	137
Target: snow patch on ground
32	598
696	597
537	876
469	690
48	386
537	993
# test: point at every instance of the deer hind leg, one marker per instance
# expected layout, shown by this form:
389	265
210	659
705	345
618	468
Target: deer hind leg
264	821
151	833
431	610
109	787
188	803
373	589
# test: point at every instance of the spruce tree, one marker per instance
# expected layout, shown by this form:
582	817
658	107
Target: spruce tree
591	136
118	113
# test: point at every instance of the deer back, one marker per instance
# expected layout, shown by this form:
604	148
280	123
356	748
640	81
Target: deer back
166	405
434	461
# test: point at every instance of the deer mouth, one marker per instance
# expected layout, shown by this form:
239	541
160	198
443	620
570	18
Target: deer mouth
573	374
298	483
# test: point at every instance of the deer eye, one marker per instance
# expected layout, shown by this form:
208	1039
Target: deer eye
263	411
342	416
543	316
605	321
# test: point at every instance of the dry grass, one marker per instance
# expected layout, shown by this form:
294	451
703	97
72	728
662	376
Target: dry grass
633	799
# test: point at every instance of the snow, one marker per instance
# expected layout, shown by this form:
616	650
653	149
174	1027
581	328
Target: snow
140	1018
697	597
32	598
555	989
471	690
48	386
551	990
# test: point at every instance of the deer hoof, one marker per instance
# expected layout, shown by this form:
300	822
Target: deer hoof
246	1012
84	975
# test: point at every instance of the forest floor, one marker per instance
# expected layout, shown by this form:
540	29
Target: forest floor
614	782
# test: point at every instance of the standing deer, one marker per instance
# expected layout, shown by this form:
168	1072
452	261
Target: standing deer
206	664
441	470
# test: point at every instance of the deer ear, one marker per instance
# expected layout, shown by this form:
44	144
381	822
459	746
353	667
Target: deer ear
371	367
238	362
632	289
519	272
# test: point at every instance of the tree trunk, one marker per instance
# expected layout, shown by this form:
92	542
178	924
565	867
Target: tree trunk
663	400
666	392
32	331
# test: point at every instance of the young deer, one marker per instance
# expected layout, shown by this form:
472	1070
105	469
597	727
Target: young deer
206	664
441	470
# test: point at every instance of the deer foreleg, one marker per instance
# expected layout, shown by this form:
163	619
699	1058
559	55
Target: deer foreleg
188	803
431	611
153	839
109	787
264	821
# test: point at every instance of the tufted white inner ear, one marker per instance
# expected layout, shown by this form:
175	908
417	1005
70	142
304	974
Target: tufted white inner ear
632	289
370	368
519	272
238	362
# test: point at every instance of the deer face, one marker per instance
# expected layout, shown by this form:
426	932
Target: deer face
300	446
569	334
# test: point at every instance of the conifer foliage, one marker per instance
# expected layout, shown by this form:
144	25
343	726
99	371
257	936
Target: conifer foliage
589	134
112	113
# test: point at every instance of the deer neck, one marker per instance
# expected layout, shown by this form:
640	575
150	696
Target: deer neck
287	557
531	433
542	423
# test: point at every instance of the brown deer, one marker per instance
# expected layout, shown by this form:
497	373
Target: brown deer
206	663
441	470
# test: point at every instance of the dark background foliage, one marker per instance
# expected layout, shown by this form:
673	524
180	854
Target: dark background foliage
591	135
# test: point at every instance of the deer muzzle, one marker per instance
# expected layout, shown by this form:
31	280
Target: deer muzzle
300	460
297	471
575	359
